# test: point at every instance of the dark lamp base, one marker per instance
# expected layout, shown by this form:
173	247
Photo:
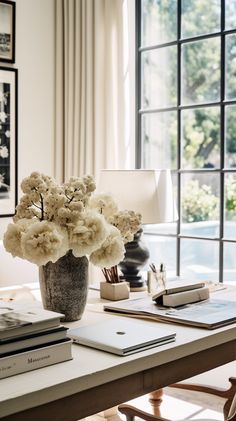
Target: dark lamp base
136	282
136	256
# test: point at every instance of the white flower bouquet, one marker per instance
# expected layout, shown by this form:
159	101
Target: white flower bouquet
53	219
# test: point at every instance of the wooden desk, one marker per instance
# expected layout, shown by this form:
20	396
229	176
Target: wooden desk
95	380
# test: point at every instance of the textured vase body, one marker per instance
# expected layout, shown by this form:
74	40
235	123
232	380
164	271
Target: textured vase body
64	286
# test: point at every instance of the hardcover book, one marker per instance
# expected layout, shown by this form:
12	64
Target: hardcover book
174	286
17	321
35	358
46	336
179	295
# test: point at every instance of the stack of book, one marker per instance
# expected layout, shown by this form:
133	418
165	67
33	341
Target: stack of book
31	338
179	293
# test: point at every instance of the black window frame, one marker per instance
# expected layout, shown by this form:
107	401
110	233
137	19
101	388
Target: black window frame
222	103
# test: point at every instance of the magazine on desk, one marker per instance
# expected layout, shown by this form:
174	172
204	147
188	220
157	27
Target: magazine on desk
209	314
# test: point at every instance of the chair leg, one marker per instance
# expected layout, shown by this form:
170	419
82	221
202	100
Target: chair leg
130	417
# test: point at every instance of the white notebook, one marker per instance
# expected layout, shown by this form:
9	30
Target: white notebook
121	336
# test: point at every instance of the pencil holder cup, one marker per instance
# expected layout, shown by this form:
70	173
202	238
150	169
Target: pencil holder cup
114	292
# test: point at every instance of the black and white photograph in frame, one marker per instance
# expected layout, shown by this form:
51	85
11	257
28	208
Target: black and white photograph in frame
7	31
8	141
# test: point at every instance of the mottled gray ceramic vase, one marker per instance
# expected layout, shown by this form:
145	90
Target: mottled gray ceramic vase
64	286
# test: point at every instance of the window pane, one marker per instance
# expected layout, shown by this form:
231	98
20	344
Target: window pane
159	21
200	205
199	259
230	14
159	77
201	71
162	250
230	136
229	262
159	140
201	138
230	67
230	206
197	19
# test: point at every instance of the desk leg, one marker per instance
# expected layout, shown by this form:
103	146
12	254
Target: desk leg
110	412
155	399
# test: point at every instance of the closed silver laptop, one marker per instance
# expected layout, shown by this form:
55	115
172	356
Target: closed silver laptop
122	336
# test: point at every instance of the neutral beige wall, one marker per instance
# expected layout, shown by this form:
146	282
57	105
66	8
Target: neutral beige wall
35	64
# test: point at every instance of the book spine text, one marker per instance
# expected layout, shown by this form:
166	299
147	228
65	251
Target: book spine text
37	358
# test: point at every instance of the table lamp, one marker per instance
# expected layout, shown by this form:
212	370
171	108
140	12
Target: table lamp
148	192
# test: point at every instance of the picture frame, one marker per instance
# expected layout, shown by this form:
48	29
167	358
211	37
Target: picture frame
8	140
7	31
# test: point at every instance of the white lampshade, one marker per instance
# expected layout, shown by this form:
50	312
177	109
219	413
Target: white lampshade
149	192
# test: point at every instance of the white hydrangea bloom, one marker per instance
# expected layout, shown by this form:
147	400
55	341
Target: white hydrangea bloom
36	181
52	203
23	211
52	219
111	252
67	218
79	189
88	234
89	183
127	222
103	203
44	242
13	235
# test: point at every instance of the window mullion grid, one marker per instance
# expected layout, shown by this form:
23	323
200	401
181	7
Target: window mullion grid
138	117
222	103
178	240
186	107
222	148
195	38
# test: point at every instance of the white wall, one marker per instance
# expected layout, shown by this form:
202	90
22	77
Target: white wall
35	52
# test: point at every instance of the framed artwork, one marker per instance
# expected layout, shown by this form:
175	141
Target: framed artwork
7	31
8	141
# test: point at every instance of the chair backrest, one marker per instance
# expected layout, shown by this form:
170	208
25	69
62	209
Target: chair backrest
232	412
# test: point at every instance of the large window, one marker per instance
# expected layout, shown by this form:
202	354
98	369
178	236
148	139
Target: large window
186	121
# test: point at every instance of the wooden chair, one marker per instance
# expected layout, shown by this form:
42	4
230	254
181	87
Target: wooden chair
229	410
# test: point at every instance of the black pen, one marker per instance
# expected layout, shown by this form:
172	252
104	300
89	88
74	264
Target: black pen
163	274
